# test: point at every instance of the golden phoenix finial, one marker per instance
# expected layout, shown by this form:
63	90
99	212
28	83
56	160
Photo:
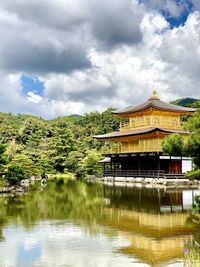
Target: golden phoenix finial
154	94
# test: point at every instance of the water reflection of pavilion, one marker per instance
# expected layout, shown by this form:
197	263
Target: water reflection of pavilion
154	221
153	200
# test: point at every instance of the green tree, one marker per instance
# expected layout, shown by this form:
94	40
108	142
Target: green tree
193	142
90	164
173	145
186	145
14	174
26	164
3	158
12	149
63	142
73	162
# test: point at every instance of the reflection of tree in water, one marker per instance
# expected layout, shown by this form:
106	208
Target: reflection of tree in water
72	200
1	236
194	219
3	217
194	222
192	248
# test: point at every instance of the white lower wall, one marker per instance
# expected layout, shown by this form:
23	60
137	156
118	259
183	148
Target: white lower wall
186	165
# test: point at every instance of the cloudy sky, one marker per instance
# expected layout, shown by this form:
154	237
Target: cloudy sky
75	56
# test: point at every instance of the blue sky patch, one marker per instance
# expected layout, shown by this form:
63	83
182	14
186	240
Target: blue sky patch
185	5
181	19
31	83
28	257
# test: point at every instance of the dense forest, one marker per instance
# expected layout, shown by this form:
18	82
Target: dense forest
30	145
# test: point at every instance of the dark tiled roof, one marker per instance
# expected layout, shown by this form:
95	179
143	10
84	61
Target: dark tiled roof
155	103
137	132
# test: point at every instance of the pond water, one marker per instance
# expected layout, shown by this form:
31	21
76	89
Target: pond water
79	224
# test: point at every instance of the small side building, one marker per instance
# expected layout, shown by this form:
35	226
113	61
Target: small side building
136	150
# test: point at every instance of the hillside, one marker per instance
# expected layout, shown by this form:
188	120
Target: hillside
65	144
185	102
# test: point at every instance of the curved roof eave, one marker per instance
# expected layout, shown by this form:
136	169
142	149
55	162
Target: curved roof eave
157	104
132	133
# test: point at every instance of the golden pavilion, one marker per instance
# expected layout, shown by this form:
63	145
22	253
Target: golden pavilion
136	149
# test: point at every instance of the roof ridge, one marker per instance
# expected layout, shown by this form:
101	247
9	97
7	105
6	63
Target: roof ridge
155	103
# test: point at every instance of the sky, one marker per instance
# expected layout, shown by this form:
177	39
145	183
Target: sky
75	56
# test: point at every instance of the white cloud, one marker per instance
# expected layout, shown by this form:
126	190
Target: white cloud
83	67
32	97
180	50
49	244
12	100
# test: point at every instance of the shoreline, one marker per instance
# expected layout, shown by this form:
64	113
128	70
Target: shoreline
19	189
147	182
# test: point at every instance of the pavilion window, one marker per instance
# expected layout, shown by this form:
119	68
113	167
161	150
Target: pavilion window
174	122
148	120
157	121
132	122
140	119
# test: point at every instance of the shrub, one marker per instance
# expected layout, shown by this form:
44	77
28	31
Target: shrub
14	174
26	164
196	205
192	254
193	175
90	164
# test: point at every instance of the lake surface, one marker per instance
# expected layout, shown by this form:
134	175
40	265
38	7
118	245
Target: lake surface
79	224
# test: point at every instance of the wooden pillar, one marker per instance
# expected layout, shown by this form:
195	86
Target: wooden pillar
182	199
181	168
193	198
159	202
170	165
139	163
158	166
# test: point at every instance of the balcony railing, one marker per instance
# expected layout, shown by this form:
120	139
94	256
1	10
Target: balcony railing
114	150
140	149
128	125
124	125
135	173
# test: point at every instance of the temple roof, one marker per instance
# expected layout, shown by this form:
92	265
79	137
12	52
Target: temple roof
156	103
138	132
